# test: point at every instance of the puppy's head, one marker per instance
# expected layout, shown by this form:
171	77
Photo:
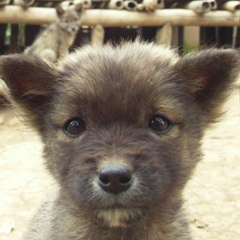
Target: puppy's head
122	126
69	17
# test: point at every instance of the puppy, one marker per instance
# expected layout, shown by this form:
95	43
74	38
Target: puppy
122	128
54	42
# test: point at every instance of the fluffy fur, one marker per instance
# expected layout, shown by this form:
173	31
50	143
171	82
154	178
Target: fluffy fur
137	106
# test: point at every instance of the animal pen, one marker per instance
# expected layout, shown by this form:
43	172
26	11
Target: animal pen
208	22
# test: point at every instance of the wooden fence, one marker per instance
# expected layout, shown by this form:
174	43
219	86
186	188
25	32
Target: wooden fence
210	22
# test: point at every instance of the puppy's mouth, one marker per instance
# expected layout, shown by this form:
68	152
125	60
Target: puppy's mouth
72	30
119	216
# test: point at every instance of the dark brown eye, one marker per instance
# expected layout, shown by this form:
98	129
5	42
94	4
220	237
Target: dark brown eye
159	124
75	127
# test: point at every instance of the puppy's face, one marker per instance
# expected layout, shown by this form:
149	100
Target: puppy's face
70	18
120	134
122	127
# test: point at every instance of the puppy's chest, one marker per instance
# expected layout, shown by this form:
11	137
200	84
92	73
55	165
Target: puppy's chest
65	38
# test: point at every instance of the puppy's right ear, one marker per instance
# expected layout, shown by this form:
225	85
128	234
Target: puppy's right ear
30	80
60	10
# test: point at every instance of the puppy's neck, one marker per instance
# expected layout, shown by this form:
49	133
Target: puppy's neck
83	228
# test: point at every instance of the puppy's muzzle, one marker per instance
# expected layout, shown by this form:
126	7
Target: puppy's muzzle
115	178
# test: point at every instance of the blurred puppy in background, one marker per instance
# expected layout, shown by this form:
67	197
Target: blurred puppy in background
54	42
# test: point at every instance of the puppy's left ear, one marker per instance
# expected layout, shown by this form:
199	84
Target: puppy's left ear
30	81
79	7
209	75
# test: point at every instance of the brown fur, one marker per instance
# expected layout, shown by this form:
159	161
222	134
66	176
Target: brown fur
54	42
117	92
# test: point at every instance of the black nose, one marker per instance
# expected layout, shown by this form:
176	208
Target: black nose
115	178
74	29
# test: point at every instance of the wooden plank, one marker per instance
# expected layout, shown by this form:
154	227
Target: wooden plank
237	44
116	18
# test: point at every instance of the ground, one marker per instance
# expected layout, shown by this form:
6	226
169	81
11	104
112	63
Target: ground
212	196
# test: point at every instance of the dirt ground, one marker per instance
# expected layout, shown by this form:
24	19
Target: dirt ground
212	196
